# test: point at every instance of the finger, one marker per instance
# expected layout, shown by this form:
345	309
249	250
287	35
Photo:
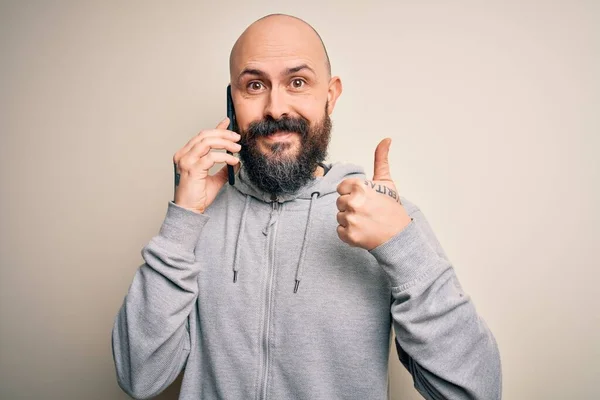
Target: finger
220	132
192	162
342	219
342	202
213	143
350	202
347	186
203	144
343	234
212	158
208	132
381	170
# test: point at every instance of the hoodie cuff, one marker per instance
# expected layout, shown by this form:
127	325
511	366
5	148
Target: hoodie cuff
407	257
182	226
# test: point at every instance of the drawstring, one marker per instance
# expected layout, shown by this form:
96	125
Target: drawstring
236	257
300	266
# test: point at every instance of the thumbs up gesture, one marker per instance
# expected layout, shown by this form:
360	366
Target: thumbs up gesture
370	212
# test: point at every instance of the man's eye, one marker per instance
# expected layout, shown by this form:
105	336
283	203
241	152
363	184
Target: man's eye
255	86
298	83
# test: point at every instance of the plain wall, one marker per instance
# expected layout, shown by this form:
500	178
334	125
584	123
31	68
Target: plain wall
494	111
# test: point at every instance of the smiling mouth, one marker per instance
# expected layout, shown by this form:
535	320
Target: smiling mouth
281	136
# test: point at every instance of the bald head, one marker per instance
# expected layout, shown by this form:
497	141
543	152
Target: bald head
279	71
278	33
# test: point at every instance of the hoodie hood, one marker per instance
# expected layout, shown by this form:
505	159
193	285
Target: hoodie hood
323	185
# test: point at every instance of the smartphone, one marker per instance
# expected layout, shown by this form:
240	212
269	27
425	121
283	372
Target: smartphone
232	127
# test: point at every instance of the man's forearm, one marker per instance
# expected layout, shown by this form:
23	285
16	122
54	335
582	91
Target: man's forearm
441	339
150	338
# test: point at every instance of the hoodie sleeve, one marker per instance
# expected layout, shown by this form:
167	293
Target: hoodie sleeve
150	337
444	344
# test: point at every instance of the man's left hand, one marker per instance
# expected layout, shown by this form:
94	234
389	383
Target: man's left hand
370	212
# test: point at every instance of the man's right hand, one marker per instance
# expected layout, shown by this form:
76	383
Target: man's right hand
196	189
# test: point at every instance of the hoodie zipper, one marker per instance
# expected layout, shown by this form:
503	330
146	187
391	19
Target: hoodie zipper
272	230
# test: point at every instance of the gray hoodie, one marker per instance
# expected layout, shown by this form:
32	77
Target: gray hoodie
258	298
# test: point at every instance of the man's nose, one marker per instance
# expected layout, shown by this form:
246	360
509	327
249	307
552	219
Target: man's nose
277	105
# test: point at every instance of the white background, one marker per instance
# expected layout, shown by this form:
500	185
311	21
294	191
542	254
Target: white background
494	111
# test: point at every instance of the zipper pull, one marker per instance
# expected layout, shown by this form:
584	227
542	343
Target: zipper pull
273	216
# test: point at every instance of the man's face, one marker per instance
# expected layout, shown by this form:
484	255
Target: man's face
276	88
282	93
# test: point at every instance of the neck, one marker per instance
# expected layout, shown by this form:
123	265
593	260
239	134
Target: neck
319	171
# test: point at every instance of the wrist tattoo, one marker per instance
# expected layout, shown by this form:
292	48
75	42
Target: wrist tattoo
379	188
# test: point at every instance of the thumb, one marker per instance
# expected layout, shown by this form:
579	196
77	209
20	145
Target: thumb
381	172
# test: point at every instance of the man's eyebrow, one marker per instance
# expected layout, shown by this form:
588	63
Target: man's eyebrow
262	74
291	71
251	71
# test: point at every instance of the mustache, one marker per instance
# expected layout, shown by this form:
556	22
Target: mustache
269	126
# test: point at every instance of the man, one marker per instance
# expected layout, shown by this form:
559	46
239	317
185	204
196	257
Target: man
286	285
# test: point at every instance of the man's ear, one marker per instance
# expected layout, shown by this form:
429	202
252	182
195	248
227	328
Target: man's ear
334	91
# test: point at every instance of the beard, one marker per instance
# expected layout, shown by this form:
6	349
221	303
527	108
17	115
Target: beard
272	170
